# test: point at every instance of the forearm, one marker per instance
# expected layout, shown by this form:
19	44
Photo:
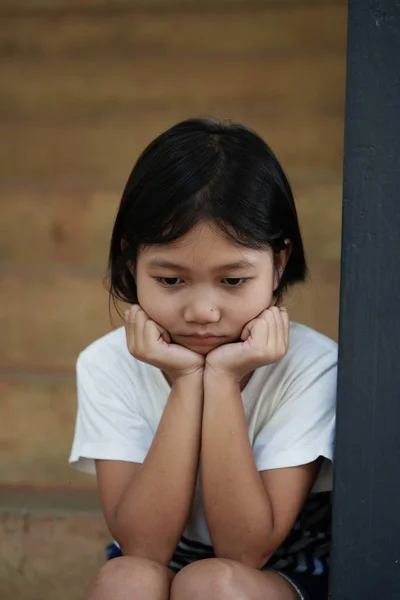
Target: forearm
237	506
153	511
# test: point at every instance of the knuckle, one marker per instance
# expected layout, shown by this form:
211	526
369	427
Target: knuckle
261	352
282	350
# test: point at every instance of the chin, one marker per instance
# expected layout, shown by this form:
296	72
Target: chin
201	349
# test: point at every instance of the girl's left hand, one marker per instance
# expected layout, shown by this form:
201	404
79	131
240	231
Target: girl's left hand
265	341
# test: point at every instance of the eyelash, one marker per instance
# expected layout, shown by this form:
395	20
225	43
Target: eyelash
162	281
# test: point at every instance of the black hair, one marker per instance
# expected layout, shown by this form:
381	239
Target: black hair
205	170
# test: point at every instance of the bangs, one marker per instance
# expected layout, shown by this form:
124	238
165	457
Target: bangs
214	206
202	171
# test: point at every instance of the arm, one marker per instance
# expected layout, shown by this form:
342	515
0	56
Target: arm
146	506
249	514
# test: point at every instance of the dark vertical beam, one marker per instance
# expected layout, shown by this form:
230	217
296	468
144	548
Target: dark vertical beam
366	528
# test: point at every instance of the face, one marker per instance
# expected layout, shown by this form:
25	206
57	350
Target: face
205	285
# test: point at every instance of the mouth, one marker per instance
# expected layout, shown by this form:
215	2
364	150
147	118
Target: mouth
204	340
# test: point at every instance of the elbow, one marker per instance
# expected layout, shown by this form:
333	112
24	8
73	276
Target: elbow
256	561
252	552
133	543
251	558
157	554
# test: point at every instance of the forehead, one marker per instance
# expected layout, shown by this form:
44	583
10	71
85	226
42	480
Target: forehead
205	246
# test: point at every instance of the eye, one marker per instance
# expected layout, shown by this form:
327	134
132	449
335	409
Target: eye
169	281
235	281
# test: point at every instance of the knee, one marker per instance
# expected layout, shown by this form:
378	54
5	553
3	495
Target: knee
126	574
211	578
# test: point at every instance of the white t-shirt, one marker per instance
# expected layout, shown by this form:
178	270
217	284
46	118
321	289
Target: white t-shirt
289	408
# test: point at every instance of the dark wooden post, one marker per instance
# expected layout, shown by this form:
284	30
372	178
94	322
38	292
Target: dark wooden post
366	525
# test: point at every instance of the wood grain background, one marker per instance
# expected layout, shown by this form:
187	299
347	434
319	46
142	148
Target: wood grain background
82	90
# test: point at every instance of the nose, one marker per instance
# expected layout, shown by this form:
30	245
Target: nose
201	311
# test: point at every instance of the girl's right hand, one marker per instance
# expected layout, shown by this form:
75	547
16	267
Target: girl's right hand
149	342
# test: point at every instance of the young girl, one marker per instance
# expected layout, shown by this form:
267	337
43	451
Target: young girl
209	418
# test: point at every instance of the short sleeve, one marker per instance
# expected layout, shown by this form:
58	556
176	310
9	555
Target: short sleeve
302	428
108	424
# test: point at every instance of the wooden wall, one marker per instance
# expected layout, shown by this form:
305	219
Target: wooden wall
83	87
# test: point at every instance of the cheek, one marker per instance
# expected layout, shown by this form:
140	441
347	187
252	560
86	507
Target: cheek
250	306
257	299
156	305
247	311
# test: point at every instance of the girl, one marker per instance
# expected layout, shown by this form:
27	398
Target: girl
209	418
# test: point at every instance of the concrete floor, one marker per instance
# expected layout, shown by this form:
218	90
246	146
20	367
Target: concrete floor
51	543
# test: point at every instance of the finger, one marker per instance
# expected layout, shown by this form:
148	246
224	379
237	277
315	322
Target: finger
260	333
263	314
246	331
282	324
286	324
157	331
165	335
248	328
272	329
130	312
139	323
129	319
280	329
152	333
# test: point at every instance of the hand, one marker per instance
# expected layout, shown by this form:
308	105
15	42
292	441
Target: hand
149	342
265	341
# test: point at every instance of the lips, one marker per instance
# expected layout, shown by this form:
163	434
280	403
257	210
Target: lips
202	336
203	339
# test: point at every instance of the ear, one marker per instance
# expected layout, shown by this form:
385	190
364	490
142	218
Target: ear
281	259
129	263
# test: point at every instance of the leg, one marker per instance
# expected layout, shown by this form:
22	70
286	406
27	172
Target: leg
223	579
128	578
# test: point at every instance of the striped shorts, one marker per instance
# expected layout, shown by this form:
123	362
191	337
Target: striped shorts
308	587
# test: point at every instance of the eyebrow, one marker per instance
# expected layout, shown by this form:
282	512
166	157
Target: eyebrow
234	266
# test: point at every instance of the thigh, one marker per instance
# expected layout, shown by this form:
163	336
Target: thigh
223	579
